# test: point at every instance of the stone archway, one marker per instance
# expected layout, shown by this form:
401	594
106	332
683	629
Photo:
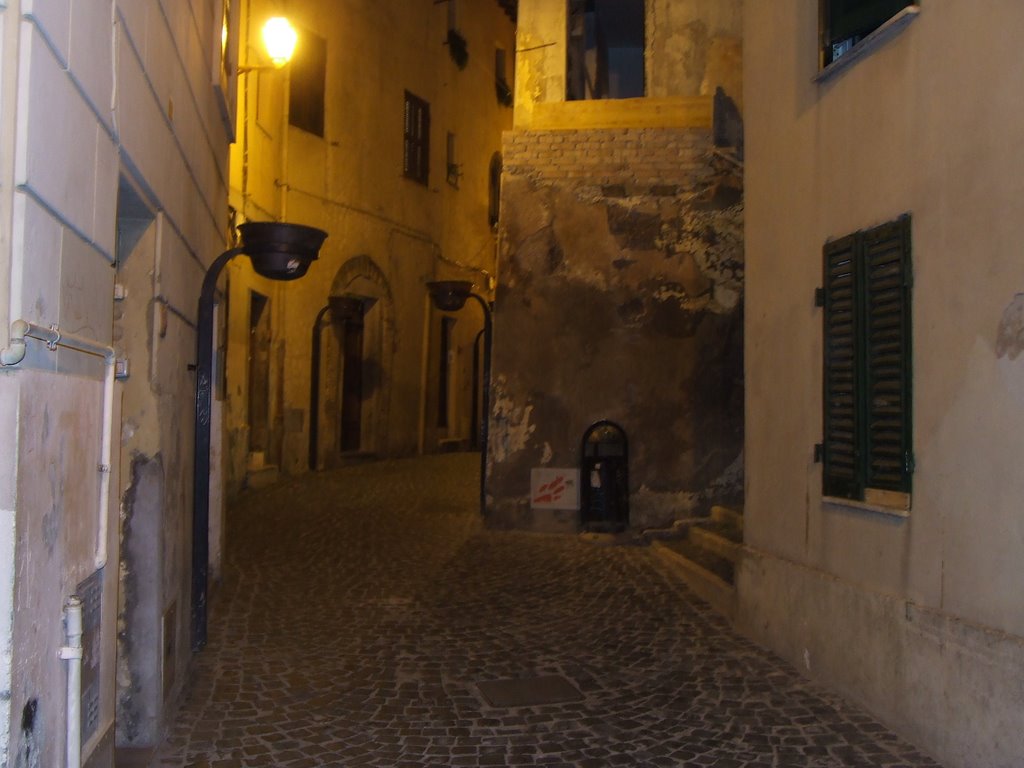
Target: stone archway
362	282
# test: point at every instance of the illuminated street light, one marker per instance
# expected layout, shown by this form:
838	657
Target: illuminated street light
278	251
451	296
279	40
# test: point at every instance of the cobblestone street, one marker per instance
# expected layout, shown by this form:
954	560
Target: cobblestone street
361	609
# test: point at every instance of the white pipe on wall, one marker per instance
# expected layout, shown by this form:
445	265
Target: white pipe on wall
72	654
15	353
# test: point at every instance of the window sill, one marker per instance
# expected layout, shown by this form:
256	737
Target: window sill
890	503
870	43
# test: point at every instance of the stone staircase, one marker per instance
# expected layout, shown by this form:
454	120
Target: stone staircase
706	557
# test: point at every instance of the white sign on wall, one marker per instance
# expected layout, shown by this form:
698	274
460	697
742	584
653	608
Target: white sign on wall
554	488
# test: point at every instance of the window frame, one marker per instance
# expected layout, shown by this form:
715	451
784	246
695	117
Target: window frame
416	139
867	364
307	84
877	27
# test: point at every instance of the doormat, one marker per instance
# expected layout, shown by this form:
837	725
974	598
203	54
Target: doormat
529	691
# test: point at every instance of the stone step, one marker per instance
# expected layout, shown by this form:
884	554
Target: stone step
718	542
728	515
705	583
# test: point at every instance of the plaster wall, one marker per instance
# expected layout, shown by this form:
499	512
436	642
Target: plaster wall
388	235
124	92
620	298
924	124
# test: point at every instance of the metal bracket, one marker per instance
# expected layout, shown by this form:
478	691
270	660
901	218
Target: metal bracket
819	453
819	297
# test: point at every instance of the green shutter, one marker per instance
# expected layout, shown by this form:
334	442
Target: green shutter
842	427
886	255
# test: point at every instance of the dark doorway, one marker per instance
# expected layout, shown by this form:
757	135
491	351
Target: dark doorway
259	372
352	380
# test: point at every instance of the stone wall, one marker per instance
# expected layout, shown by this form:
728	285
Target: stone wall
619	297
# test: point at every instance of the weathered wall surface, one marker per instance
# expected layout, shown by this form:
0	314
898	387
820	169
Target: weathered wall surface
94	104
388	235
620	297
920	617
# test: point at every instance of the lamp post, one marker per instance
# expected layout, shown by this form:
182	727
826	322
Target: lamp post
451	296
278	251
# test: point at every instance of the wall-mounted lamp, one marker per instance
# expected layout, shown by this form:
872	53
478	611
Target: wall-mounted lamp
278	251
451	296
279	40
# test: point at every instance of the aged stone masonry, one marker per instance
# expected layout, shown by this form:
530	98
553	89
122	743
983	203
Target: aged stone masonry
622	252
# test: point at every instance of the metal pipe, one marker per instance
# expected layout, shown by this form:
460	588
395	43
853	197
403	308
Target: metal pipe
314	391
201	481
53	337
72	654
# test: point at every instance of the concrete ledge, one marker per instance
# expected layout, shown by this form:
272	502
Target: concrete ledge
646	112
953	688
716	544
708	587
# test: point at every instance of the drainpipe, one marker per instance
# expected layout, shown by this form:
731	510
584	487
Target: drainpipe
72	654
14	353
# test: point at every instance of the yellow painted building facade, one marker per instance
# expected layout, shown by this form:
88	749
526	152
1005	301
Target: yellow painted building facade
375	134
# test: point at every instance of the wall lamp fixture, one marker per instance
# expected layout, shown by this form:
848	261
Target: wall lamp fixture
451	296
278	251
279	40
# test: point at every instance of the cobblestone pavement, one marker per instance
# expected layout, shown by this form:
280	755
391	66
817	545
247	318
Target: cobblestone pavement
361	608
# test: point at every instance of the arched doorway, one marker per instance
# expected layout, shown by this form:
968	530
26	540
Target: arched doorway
354	402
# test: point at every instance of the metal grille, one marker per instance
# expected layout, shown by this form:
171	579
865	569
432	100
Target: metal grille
91	593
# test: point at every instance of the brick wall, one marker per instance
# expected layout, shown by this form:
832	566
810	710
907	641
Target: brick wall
635	158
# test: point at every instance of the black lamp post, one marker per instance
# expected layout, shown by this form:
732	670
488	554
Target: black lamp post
278	251
451	296
341	308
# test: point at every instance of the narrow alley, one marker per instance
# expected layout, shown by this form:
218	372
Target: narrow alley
364	612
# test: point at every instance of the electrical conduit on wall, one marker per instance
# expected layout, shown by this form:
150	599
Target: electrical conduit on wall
21	330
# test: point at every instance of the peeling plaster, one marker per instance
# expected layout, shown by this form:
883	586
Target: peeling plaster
511	428
1010	336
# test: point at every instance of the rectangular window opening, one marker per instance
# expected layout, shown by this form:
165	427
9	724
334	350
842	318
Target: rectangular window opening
307	84
867	448
845	23
416	156
453	165
605	49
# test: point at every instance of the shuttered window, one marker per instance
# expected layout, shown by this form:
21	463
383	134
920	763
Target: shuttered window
416	160
867	362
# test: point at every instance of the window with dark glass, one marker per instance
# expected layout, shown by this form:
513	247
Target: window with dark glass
416	160
605	49
494	190
844	23
452	163
307	83
867	444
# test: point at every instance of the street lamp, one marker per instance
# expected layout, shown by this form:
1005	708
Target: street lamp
451	296
278	251
279	40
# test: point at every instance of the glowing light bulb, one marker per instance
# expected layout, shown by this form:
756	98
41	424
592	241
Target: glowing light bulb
279	38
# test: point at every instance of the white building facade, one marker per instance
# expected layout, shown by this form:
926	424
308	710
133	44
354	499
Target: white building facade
889	569
114	135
